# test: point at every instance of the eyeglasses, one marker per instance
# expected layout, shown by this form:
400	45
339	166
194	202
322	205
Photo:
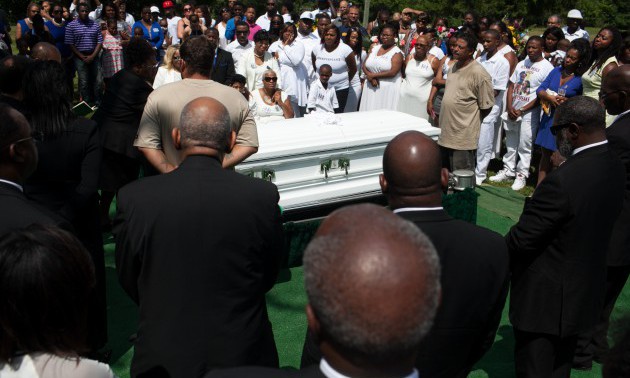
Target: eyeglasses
176	58
271	4
270	79
57	11
556	128
156	65
187	9
242	32
603	95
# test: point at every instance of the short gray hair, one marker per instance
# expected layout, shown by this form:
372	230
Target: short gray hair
583	111
369	337
201	126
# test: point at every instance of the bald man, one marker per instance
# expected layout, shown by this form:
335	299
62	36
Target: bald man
197	248
359	257
45	51
474	260
615	95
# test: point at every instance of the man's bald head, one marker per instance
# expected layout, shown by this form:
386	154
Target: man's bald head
616	90
412	167
45	51
205	122
372	281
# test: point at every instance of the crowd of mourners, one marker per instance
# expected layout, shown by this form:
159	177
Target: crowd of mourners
183	90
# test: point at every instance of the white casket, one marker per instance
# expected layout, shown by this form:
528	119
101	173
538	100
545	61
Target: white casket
316	161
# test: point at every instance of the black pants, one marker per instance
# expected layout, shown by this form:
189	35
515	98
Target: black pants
342	98
594	343
539	355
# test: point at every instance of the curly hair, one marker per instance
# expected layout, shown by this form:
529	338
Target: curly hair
599	58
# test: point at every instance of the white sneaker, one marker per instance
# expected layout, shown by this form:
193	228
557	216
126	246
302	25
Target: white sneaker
502	175
519	182
479	180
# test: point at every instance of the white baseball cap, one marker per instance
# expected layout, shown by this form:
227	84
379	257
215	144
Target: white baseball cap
574	13
307	15
155	9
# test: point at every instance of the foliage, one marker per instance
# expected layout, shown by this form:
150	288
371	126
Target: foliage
533	12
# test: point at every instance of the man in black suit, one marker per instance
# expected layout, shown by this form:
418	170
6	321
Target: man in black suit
223	65
197	249
18	160
556	248
372	281
474	260
615	95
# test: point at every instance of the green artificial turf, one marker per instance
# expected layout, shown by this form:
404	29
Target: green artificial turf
498	209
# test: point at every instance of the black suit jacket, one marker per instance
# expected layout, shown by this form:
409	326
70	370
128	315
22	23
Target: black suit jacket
618	135
558	247
18	211
197	249
474	277
261	372
119	114
223	68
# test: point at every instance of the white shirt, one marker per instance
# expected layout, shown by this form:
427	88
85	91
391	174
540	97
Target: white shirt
527	77
172	29
499	69
237	51
580	149
309	41
322	99
329	372
18	186
437	52
337	61
579	33
264	22
287	18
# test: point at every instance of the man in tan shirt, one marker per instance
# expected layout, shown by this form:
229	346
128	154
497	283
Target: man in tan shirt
468	98
164	107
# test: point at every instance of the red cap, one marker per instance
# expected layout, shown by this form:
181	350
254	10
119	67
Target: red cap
167	4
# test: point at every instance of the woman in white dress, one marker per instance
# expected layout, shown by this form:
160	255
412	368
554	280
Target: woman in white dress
353	39
419	71
340	58
169	71
382	73
290	55
272	104
256	61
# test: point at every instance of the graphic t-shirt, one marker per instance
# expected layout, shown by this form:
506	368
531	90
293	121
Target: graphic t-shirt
527	77
337	60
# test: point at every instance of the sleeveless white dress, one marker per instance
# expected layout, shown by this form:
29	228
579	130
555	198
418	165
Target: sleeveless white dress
416	88
385	96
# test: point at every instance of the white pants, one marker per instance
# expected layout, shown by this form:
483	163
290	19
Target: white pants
486	139
354	95
518	140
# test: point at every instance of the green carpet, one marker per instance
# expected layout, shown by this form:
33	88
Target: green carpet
498	209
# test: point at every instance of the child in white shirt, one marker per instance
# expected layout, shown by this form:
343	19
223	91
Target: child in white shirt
321	97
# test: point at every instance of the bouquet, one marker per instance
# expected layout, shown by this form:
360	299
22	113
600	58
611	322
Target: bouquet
519	33
445	33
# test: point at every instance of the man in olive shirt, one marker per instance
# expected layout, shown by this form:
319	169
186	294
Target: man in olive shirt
164	107
468	98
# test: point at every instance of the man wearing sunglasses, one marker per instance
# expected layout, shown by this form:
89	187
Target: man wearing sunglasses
615	96
557	249
264	21
18	160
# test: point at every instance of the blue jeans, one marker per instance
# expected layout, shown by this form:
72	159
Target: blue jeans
90	80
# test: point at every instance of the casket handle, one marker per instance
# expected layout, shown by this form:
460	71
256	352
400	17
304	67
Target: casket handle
325	167
268	174
345	164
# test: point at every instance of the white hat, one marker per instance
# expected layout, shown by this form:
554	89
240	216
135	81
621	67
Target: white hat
574	13
307	15
155	9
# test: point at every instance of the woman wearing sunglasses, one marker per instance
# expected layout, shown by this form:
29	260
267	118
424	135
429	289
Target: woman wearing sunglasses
185	21
272	104
256	61
224	15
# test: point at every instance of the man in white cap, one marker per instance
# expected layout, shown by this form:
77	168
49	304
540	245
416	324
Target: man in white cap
309	40
572	30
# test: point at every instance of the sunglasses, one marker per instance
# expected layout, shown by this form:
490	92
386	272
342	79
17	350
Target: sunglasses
270	79
187	9
555	129
242	32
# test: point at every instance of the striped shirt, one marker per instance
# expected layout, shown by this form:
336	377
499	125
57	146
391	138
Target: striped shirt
85	36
